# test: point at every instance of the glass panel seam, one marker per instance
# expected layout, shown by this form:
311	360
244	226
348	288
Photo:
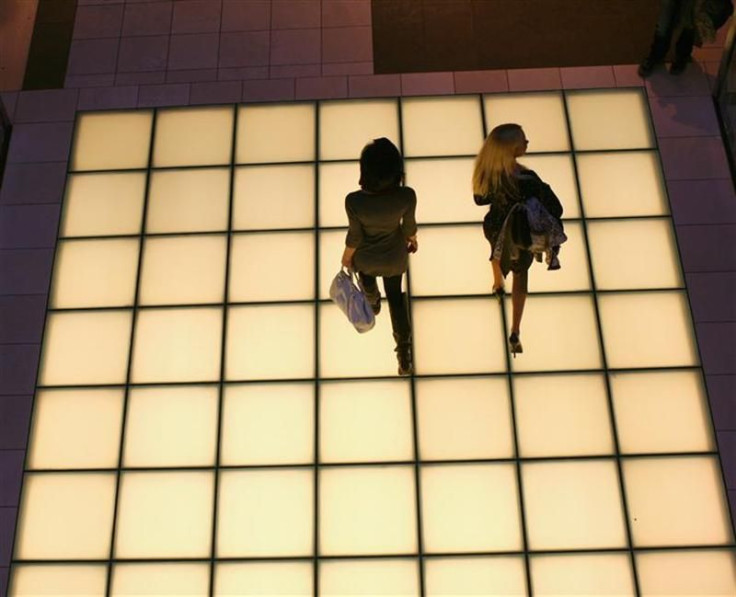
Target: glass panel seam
599	328
126	393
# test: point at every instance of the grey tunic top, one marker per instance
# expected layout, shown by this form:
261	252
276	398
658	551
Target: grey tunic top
380	223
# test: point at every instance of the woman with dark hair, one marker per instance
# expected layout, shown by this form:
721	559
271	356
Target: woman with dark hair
382	232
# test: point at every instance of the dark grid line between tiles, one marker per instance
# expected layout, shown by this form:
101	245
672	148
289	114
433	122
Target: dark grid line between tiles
421	565
129	371
604	359
223	363
514	423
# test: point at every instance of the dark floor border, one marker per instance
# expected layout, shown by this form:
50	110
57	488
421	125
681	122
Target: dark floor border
50	44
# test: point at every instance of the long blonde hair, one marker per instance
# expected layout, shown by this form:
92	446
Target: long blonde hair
496	160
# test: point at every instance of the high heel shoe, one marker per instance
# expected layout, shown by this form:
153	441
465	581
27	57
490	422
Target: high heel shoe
515	346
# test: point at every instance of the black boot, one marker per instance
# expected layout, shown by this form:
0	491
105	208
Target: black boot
369	287
656	56
683	50
402	335
403	355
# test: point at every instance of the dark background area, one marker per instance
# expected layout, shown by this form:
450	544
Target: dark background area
439	35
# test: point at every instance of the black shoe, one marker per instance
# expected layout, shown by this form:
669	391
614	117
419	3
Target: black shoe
647	66
515	346
403	353
403	356
679	65
372	295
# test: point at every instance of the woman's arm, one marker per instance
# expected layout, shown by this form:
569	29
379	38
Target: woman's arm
347	257
354	237
409	224
550	201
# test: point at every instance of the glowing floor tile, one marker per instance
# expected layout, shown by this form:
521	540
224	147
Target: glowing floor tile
331	246
85	348
661	411
275	133
177	345
95	273
610	119
264	580
272	267
573	505
458	336
685	573
76	429
676	501
183	270
367	510
470	508
152	511
398	578
541	115
346	353
452	260
66	516
444	191
37	580
366	421
103	204
193	136
131	132
648	329
346	127
268	424
457	126
622	184
265	513
267	342
188	200
570	320
634	254
573	274
475	576
174	580
273	197
558	172
595	574
335	182
464	418
562	415
171	426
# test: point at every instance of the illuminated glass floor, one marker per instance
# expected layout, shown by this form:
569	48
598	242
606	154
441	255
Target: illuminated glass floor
207	423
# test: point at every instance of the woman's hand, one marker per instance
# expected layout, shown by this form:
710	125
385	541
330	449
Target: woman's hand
347	257
412	245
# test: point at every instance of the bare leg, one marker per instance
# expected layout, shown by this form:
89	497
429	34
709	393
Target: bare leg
497	274
518	298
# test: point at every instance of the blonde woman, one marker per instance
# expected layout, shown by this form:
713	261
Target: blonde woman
502	183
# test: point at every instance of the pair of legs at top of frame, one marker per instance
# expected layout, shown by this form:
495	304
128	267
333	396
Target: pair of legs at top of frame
693	21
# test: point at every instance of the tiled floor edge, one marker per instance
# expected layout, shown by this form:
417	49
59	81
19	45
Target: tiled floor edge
28	258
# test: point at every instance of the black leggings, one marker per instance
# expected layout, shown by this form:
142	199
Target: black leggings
396	304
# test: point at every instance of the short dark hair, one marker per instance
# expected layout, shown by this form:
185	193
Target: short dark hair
381	166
